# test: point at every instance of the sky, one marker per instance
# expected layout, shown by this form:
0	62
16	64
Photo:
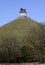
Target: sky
9	10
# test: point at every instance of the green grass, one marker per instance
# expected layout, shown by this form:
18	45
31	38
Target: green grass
19	27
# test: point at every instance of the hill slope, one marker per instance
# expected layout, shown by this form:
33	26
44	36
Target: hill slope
26	38
19	27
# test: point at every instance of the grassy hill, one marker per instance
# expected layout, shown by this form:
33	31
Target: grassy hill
26	35
19	27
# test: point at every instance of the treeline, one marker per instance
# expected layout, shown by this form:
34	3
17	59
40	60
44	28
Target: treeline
31	50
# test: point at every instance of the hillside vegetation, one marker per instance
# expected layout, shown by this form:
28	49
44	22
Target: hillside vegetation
22	40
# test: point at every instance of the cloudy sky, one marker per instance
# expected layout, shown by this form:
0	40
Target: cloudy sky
9	10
